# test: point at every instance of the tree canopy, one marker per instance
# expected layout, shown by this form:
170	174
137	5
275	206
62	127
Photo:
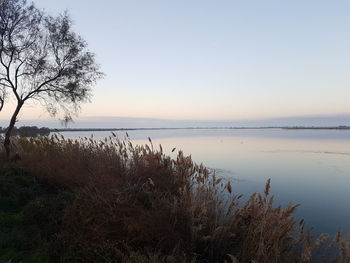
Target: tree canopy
42	59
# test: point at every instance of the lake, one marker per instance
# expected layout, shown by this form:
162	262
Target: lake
306	167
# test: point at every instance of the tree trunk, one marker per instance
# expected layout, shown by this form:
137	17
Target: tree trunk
10	128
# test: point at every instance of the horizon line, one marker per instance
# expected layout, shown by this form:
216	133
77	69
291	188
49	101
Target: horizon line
201	120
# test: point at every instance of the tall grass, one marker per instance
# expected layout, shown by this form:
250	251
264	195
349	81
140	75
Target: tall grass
135	199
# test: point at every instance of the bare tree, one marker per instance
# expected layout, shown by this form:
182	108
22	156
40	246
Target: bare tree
42	59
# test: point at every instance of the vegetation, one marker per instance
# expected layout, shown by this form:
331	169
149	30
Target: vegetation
28	131
28	216
42	60
66	200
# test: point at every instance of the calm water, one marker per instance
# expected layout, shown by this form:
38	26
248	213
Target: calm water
308	167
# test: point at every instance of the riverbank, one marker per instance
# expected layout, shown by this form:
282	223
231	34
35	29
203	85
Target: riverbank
110	201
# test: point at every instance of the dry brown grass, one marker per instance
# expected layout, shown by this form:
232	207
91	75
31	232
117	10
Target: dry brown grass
135	198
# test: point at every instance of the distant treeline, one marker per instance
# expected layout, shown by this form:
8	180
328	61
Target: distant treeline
341	127
28	131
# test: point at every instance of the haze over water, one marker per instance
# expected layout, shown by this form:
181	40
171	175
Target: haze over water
307	167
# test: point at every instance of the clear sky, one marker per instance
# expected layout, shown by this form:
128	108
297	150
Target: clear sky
201	59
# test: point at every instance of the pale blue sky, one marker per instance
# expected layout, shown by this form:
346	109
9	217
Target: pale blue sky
200	59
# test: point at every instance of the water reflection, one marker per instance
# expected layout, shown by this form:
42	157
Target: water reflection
310	167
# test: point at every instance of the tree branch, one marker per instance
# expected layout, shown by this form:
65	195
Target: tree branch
1	103
38	89
16	73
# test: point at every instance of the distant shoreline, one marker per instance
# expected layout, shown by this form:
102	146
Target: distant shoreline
196	128
318	128
201	128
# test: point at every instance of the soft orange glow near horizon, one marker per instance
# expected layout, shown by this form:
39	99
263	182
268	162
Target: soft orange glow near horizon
170	112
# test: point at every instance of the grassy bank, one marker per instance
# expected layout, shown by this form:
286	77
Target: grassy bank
109	201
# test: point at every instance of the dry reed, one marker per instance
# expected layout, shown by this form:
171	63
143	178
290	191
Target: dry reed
135	198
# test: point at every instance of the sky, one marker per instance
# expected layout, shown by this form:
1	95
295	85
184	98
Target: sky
212	60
